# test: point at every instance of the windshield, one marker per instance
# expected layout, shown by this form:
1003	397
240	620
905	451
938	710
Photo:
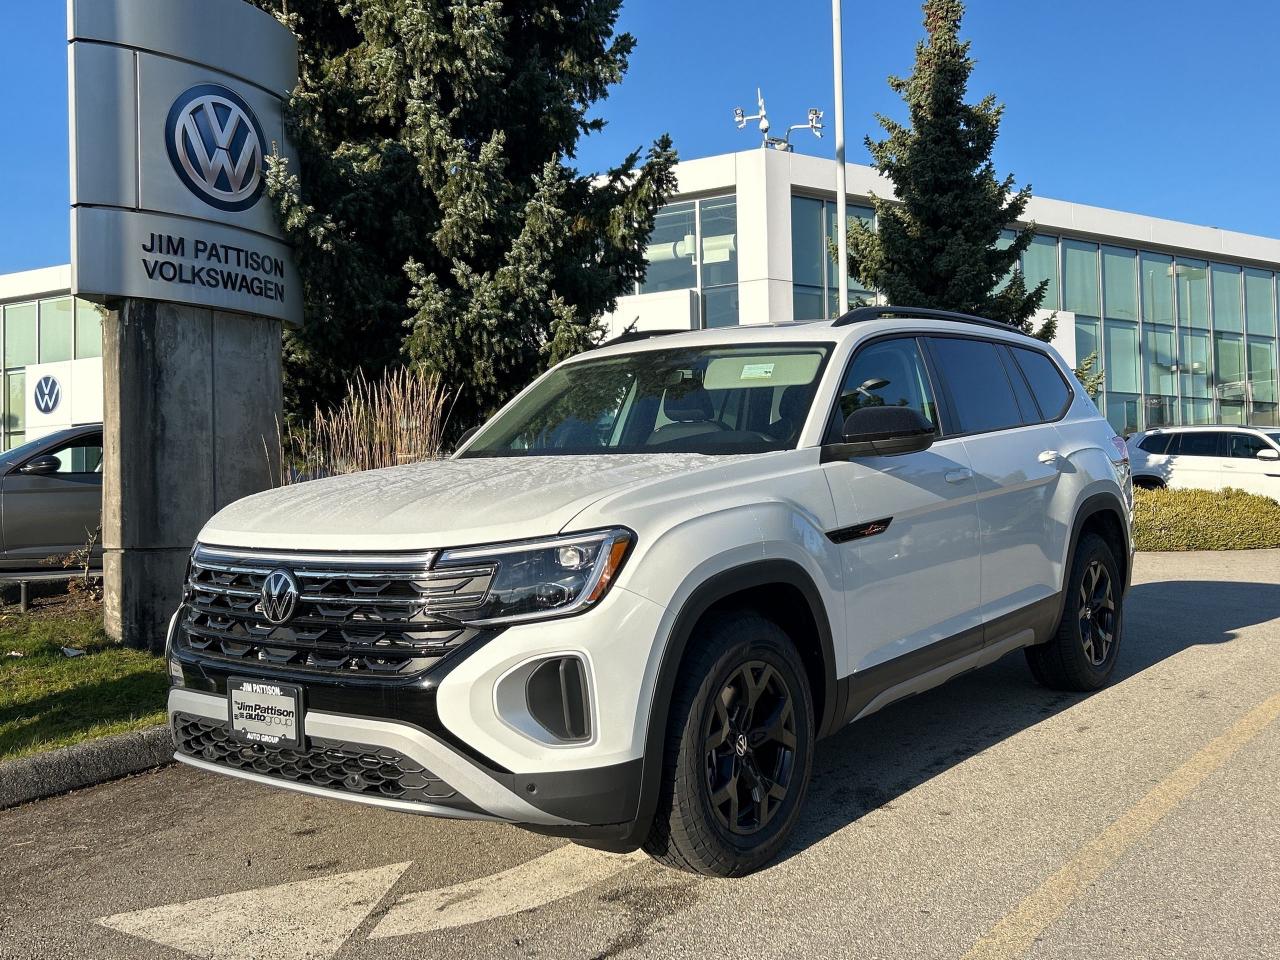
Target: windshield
712	400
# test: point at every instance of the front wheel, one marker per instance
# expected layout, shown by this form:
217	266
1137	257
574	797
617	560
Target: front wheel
738	753
1081	655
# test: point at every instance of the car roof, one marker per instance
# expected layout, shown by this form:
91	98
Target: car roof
1206	426
798	332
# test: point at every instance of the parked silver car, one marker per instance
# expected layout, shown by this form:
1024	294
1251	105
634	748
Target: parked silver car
50	497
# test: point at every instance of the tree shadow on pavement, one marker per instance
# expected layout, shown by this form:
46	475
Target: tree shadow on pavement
874	761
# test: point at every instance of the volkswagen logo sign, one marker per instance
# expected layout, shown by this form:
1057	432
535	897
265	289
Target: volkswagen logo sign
216	146
48	394
279	596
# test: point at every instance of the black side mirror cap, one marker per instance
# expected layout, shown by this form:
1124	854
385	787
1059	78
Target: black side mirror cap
882	432
41	466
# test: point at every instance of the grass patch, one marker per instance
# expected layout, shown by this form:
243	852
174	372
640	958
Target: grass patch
1205	520
50	700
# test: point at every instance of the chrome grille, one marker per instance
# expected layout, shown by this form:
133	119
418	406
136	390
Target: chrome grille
384	613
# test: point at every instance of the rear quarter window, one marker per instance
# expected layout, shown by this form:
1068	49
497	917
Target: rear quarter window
1155	443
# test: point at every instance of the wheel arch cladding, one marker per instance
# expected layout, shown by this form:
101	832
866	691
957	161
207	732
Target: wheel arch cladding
1103	514
779	590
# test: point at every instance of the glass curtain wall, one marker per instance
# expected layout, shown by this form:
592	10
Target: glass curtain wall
43	331
1179	339
814	290
694	246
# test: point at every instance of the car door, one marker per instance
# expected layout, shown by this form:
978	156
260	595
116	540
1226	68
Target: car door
1017	469
1245	471
908	530
52	513
1196	458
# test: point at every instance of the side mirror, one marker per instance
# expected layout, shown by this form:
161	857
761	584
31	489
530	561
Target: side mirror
41	466
1266	453
467	435
882	432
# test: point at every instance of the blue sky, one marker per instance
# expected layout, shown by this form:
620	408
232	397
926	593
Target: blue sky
1164	107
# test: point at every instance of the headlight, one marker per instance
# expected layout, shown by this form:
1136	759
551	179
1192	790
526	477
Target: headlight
537	579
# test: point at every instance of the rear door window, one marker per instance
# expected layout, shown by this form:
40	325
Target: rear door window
1199	443
981	395
1048	386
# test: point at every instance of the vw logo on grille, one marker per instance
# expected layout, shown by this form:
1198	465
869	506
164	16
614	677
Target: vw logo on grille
48	394
216	146
279	596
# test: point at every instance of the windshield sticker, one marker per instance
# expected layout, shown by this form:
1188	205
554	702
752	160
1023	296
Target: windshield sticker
757	371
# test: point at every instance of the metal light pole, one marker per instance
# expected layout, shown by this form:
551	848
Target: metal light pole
842	217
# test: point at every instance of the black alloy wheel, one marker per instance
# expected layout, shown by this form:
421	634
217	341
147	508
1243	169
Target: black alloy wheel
1081	653
739	749
750	746
1097	613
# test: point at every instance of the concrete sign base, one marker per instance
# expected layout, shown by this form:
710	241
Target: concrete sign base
192	398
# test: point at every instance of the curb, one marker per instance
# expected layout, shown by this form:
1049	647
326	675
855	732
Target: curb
83	765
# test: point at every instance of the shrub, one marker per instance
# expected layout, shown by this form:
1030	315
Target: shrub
399	418
1205	520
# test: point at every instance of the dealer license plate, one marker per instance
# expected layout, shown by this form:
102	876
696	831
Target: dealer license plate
266	712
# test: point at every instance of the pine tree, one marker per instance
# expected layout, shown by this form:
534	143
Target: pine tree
436	214
937	244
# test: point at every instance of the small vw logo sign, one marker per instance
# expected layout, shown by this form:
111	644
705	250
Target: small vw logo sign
279	596
48	394
216	146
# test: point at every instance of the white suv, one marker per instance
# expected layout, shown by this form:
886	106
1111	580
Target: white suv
1211	458
628	607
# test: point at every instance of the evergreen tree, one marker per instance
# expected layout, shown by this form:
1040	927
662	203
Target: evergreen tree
436	214
937	244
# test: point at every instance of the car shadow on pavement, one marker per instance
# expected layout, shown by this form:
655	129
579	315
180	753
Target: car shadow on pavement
871	763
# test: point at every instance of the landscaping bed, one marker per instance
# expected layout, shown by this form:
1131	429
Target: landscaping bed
1205	520
50	699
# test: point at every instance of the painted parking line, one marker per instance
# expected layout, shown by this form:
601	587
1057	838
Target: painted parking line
304	920
1015	934
563	872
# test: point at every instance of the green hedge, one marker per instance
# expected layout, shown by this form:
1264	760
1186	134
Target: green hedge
1205	520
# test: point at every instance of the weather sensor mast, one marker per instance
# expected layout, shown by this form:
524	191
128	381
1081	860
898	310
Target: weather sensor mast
783	143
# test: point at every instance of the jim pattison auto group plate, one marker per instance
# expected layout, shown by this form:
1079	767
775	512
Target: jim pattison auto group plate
267	713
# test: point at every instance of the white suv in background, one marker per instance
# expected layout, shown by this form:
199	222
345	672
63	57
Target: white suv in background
1209	458
628	607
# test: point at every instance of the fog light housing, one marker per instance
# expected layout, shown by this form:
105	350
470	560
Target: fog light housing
556	695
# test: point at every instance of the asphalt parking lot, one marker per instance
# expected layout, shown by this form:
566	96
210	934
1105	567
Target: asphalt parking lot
986	819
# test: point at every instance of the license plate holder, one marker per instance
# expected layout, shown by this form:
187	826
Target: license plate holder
265	712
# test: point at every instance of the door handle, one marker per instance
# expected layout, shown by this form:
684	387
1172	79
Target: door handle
1048	457
958	476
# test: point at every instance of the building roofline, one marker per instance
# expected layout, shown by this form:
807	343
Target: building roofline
816	175
32	284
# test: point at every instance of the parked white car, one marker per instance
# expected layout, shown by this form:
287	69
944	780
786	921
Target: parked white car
628	607
1208	458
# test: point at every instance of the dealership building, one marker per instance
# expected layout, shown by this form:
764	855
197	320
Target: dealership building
1182	318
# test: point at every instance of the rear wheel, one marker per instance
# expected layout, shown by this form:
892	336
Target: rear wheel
738	753
1081	655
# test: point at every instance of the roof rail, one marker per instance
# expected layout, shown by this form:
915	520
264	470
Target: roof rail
633	335
860	314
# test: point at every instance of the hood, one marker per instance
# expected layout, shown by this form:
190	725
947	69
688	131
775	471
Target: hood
438	503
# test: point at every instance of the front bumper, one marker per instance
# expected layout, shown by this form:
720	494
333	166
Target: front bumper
457	724
467	792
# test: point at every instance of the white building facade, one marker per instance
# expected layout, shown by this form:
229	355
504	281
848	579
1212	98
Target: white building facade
1181	318
51	347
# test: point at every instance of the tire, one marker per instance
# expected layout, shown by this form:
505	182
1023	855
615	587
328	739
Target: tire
713	818
1148	483
1081	655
